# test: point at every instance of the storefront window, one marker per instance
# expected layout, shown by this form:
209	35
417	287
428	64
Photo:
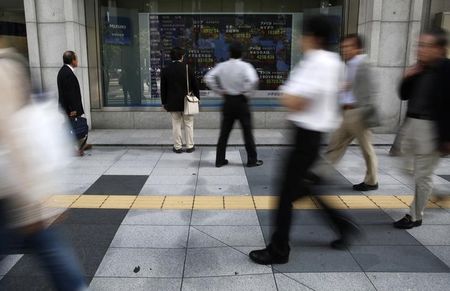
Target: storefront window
12	26
136	40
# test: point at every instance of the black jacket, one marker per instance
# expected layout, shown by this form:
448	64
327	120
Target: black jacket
174	86
441	96
69	91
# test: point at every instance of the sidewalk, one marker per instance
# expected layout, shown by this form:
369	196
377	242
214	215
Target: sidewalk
203	137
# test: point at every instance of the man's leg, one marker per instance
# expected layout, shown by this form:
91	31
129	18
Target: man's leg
189	130
339	141
424	166
177	121
225	129
245	120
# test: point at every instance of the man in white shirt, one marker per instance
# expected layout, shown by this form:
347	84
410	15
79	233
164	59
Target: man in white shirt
235	80
359	113
310	94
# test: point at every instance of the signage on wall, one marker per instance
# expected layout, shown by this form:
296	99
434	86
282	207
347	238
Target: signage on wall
117	30
266	37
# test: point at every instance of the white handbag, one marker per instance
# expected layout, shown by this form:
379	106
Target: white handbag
191	102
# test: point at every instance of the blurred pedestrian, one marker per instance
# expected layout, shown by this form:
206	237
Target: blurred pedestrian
426	86
310	95
70	100
176	80
234	80
29	156
357	101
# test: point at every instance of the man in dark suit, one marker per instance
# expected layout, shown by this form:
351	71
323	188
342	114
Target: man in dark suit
173	91
70	94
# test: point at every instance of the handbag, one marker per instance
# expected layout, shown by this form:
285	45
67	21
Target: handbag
79	127
191	102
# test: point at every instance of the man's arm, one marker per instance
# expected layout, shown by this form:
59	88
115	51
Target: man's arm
163	88
212	80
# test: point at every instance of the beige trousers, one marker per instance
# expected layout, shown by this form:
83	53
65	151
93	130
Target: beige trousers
353	127
420	142
178	120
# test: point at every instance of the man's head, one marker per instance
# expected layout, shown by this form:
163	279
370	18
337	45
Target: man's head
177	54
235	50
432	46
351	46
70	58
317	33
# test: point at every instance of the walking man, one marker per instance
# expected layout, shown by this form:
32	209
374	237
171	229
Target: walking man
173	91
359	114
426	86
70	94
310	94
234	80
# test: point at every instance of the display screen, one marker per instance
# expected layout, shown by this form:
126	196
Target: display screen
267	39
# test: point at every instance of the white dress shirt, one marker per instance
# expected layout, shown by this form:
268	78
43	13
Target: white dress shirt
233	77
317	78
73	70
346	96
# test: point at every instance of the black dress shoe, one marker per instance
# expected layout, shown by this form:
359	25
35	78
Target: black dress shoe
222	163
339	244
177	151
267	257
407	223
191	150
365	187
255	164
349	231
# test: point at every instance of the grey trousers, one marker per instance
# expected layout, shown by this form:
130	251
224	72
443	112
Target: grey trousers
420	142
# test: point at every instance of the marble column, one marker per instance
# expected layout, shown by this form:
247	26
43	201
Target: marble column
54	26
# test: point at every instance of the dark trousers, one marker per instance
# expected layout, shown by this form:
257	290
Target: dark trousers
298	162
236	108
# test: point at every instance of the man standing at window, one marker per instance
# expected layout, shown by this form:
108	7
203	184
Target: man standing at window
235	80
70	94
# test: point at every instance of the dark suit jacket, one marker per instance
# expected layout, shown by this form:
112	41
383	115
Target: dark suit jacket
441	97
174	86
69	91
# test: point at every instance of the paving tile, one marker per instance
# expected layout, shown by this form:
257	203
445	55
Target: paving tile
94	216
432	234
88	235
150	236
168	189
171	180
224	217
410	281
199	239
233	235
222	261
222	180
8	262
175	172
299	217
222	189
161	263
324	281
223	171
41	283
157	217
117	185
318	259
129	171
385	235
262	190
397	259
177	164
431	216
368	216
442	252
305	235
120	284
232	283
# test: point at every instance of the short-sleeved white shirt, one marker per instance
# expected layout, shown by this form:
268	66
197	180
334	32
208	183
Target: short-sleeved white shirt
318	78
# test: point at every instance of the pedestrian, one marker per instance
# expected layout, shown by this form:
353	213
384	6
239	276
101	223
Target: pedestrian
357	101
28	178
310	94
234	80
426	86
175	78
70	100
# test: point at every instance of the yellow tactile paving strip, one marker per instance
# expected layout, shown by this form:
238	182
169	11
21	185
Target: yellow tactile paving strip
233	202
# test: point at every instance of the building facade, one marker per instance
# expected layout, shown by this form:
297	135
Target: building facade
122	46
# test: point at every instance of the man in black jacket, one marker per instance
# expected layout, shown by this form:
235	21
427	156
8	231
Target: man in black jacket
427	125
70	94
173	91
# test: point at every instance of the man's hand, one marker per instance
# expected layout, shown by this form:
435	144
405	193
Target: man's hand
73	114
413	70
294	103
